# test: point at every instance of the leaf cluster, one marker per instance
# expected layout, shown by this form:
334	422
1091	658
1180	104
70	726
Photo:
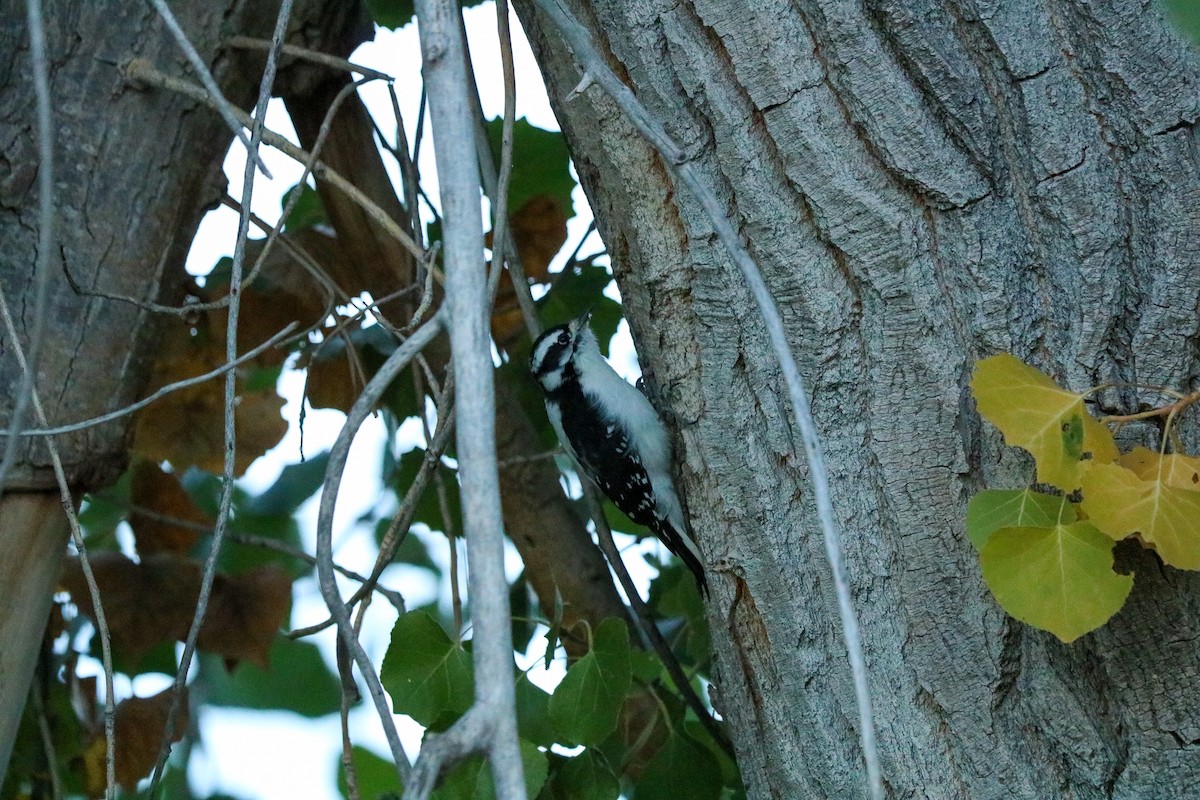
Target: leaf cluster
429	677
1047	553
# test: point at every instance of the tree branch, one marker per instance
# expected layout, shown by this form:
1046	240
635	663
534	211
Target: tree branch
466	298
363	406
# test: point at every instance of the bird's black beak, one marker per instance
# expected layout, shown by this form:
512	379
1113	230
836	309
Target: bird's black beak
582	321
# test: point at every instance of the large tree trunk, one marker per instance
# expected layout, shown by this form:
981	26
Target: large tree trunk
923	184
135	172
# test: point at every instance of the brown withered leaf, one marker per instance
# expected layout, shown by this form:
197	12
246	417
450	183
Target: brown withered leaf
245	612
144	604
186	427
152	602
158	500
139	726
539	229
332	381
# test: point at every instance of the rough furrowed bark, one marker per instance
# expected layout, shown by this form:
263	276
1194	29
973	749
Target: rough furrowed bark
923	184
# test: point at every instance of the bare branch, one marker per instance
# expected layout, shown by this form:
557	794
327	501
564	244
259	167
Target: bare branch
594	64
446	78
161	393
140	71
324	59
235	292
338	454
646	619
226	109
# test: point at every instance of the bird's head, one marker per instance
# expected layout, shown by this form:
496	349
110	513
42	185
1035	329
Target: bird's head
560	347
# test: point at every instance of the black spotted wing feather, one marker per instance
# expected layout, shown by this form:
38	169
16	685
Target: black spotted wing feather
606	453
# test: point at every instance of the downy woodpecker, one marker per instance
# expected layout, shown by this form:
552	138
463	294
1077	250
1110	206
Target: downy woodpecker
613	434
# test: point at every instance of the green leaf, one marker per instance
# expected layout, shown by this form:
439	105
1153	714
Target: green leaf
1036	414
533	712
394	14
587	776
429	509
541	164
295	484
428	676
376	774
1058	579
309	210
472	780
520	605
391	14
991	510
586	704
298	681
681	768
103	511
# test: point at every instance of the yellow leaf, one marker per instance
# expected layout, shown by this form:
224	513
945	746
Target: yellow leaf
1180	471
1036	414
1058	578
1166	516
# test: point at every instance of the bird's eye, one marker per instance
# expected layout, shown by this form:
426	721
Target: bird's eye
564	338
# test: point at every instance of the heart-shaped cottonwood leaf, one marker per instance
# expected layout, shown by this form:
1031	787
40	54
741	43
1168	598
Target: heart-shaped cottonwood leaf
1014	508
1034	413
428	676
584	707
1167	517
1058	578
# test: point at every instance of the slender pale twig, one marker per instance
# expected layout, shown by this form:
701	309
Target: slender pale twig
490	725
303	53
235	283
225	108
362	408
589	56
46	229
43	725
85	564
139	71
504	248
161	393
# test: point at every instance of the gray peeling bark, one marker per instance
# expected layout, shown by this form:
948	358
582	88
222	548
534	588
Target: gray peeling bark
134	173
924	184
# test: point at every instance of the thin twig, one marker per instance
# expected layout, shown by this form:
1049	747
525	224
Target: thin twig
231	354
46	229
161	393
324	59
226	109
140	71
643	615
403	518
504	249
85	564
338	454
580	41
490	725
